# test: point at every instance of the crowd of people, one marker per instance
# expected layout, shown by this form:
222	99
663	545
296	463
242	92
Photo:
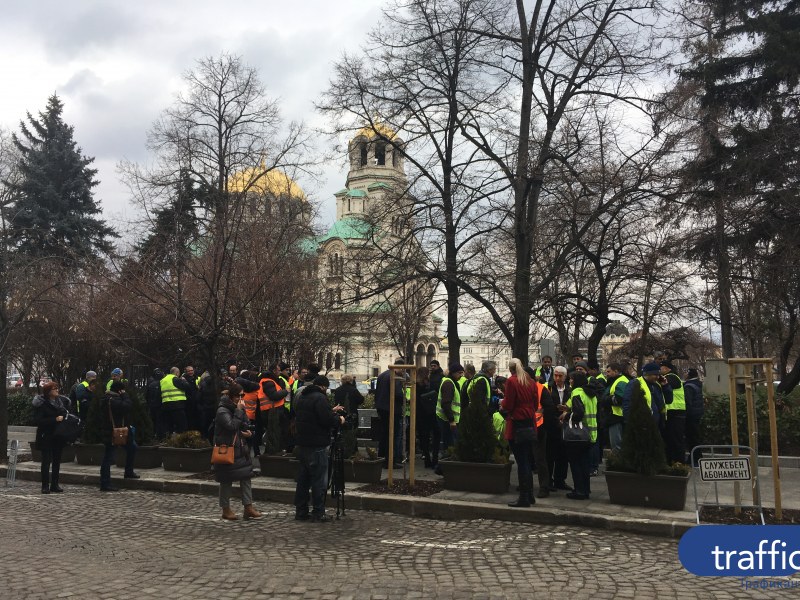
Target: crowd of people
528	409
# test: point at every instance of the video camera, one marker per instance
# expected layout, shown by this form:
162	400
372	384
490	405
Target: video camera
350	419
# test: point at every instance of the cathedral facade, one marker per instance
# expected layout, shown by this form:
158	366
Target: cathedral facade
377	320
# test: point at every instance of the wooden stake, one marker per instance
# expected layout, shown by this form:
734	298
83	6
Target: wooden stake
752	428
773	439
390	478
737	500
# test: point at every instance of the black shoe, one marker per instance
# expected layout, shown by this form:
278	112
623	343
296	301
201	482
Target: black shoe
563	486
301	517
438	470
520	503
543	493
45	490
56	488
109	489
132	476
594	473
320	518
552	488
577	496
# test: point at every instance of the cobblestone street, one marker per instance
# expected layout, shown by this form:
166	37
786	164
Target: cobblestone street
137	544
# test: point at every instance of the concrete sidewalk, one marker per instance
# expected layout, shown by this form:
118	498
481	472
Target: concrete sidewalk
449	505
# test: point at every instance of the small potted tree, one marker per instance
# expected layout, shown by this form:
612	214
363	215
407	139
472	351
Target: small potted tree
638	475
274	461
479	463
147	453
188	451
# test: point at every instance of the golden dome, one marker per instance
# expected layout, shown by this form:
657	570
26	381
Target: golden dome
377	129
274	182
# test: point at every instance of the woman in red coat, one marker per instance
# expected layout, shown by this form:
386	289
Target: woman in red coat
519	406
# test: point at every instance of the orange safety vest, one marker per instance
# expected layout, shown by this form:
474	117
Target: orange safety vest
264	402
250	403
539	414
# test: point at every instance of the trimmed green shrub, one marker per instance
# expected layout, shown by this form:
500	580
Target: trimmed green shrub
642	447
20	408
716	423
477	441
187	439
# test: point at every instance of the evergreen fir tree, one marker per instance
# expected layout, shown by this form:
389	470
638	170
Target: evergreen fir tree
477	441
175	227
54	214
642	446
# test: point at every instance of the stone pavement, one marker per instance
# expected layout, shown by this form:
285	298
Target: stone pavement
138	544
448	505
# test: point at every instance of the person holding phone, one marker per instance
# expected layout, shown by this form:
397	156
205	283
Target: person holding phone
49	410
231	427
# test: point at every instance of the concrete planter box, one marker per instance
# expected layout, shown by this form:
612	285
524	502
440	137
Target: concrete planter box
660	491
89	454
486	478
188	460
363	471
147	457
67	454
277	465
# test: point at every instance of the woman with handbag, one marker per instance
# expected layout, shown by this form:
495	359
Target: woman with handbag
115	406
580	431
230	431
520	404
49	410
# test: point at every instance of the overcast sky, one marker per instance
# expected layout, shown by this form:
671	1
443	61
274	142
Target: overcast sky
117	65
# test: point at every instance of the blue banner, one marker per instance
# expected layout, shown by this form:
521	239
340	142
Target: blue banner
741	550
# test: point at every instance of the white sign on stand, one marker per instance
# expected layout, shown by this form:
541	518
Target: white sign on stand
725	469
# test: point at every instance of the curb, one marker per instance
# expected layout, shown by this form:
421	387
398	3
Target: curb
410	506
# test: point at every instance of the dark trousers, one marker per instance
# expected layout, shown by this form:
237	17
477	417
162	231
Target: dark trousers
579	463
540	456
158	425
594	455
108	458
449	436
429	438
693	435
675	436
383	442
313	473
522	454
174	420
51	456
556	458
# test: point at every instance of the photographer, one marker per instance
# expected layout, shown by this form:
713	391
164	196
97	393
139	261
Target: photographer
315	419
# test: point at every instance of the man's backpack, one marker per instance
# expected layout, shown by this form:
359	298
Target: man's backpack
73	396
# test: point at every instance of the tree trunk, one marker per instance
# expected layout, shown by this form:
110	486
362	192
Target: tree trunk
453	340
3	408
723	279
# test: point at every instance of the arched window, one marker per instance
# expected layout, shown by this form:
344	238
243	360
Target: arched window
431	355
329	361
337	363
363	154
319	359
380	153
420	357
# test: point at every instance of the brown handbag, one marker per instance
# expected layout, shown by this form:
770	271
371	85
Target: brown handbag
224	454
119	435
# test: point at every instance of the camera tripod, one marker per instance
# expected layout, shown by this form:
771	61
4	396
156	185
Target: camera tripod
336	473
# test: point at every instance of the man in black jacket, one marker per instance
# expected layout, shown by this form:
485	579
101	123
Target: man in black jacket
315	419
382	398
115	408
153	398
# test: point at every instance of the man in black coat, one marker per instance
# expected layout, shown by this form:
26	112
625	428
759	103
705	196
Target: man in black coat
315	419
152	396
115	408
